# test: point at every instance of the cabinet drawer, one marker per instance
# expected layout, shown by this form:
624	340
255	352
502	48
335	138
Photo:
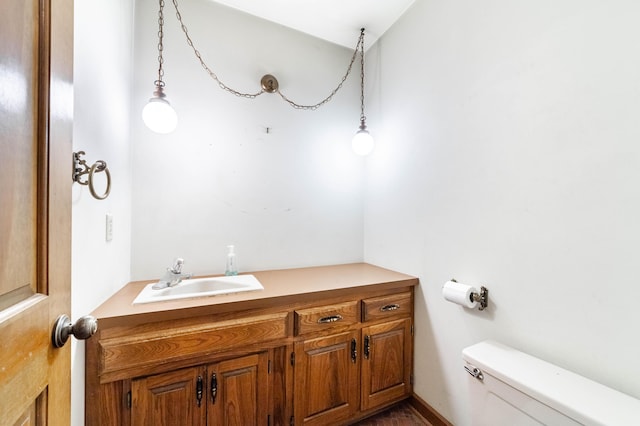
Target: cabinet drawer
387	306
326	317
163	345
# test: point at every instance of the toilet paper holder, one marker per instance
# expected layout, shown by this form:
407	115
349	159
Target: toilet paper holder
482	298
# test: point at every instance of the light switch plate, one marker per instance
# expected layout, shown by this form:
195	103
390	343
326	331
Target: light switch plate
108	235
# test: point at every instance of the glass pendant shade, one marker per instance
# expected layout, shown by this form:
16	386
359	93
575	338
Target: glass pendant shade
362	143
159	115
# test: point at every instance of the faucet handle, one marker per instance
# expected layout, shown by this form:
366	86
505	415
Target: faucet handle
177	265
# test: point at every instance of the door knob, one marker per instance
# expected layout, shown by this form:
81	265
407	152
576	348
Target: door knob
84	328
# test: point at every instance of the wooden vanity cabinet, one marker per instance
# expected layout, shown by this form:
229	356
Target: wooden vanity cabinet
330	358
230	392
207	369
326	379
169	399
352	358
238	391
386	365
387	349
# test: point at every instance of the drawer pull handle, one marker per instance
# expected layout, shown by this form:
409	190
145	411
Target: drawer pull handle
199	391
214	388
327	320
354	350
391	307
367	346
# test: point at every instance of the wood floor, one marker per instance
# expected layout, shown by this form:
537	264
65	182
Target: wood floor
398	415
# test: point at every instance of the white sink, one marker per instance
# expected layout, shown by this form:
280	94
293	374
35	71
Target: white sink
199	287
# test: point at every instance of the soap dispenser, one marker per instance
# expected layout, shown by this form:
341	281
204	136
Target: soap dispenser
231	268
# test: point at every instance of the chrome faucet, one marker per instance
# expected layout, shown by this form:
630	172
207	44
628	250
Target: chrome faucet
173	276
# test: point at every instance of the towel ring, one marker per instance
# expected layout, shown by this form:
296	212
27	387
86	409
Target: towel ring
80	169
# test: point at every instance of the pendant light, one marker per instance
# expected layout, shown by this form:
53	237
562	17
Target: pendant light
362	143
160	117
158	114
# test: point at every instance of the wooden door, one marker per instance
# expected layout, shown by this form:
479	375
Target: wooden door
170	399
386	365
36	108
239	391
326	379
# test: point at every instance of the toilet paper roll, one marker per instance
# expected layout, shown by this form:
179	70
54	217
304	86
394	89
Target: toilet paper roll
461	294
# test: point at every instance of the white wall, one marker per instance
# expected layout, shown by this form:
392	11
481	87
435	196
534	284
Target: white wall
291	197
508	156
102	113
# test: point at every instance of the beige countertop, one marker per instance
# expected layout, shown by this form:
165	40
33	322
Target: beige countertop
280	288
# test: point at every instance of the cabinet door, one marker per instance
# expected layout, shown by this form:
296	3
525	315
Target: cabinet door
326	379
238	391
174	398
386	366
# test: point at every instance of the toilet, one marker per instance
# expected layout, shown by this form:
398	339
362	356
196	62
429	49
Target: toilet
510	388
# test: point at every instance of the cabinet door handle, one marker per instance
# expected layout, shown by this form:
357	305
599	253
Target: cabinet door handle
199	391
354	350
214	388
367	346
327	320
391	307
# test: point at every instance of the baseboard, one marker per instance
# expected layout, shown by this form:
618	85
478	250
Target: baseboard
428	412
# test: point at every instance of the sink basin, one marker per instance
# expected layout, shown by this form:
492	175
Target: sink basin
199	287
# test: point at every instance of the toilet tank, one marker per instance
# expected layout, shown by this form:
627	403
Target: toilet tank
510	388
